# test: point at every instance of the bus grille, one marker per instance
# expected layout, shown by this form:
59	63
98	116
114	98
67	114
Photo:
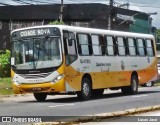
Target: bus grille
35	76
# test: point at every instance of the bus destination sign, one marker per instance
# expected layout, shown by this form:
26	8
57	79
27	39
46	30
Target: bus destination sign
36	32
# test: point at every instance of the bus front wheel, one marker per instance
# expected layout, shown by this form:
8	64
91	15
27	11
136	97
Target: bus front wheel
133	88
40	96
85	92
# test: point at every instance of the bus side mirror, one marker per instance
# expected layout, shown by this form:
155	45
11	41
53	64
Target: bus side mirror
12	61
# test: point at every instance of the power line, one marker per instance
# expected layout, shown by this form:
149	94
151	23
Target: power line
22	2
5	4
37	1
30	2
138	5
145	6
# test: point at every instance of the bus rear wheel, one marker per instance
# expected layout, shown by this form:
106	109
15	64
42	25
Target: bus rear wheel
40	96
133	88
85	92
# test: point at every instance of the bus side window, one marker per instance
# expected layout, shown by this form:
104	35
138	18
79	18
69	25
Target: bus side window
121	46
110	47
149	47
84	44
141	47
97	44
131	46
70	48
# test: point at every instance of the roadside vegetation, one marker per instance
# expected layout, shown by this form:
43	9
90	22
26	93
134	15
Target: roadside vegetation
5	86
5	80
5	63
56	22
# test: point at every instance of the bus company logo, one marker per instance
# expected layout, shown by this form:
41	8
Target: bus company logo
87	61
35	80
103	64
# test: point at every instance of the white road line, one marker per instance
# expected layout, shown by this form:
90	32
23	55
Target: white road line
139	96
61	105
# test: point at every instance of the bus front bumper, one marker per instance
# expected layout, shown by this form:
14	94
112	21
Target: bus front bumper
49	87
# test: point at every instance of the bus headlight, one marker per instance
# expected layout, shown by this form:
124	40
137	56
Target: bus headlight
15	81
58	78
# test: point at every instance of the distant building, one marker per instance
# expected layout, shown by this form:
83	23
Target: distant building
86	15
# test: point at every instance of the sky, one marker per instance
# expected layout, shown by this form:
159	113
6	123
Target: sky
147	6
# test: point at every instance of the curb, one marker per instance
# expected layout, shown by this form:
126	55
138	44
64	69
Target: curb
13	95
99	117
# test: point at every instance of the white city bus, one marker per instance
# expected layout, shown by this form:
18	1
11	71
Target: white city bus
56	59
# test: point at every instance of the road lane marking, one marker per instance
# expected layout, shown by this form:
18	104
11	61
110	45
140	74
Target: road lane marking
53	106
139	96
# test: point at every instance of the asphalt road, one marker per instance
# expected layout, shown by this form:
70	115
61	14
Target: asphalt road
68	105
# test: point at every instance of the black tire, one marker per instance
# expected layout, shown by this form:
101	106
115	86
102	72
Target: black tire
40	96
133	88
86	89
97	92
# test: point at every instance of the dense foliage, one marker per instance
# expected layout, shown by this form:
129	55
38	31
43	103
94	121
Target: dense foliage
5	63
56	22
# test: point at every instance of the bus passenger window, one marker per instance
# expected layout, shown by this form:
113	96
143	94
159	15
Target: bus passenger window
84	44
140	45
131	46
149	47
121	46
97	44
110	46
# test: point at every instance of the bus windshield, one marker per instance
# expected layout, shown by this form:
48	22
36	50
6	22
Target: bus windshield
37	53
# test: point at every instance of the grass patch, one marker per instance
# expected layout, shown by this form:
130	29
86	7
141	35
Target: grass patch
6	91
5	86
5	83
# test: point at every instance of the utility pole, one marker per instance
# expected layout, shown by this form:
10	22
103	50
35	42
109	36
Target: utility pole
110	15
61	11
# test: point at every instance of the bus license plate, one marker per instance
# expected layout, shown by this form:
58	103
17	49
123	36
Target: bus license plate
37	89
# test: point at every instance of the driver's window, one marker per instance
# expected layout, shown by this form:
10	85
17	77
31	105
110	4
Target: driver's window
70	47
55	50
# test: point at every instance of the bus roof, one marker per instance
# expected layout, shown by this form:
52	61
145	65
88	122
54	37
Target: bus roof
90	30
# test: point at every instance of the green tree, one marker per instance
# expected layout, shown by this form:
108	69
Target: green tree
5	63
56	22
